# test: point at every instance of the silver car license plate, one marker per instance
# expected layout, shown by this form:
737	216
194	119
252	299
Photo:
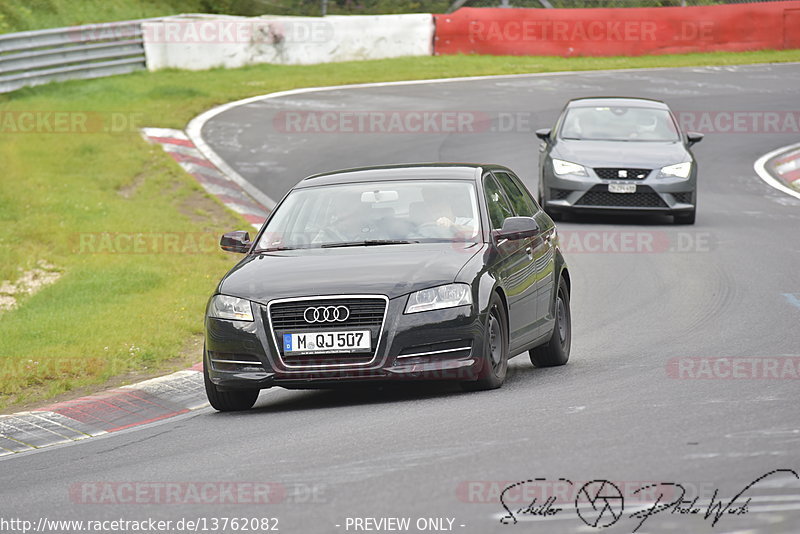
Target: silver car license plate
621	188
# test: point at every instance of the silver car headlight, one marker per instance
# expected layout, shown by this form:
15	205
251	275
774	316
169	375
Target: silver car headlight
561	167
679	170
234	308
437	298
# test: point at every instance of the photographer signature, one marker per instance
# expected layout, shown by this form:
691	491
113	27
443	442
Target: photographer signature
600	503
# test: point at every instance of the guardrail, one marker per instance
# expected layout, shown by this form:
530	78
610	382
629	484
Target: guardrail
43	56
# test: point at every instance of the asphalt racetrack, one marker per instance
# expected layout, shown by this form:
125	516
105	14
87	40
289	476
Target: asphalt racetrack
634	406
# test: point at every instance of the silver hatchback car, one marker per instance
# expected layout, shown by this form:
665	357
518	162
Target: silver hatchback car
622	155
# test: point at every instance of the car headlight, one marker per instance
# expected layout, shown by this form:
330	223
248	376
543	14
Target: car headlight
225	307
679	170
562	167
436	298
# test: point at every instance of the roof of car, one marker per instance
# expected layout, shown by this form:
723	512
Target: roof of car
611	101
415	171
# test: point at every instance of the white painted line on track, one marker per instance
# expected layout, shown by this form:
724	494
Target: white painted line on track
764	174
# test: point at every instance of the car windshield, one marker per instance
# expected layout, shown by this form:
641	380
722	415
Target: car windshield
619	123
374	213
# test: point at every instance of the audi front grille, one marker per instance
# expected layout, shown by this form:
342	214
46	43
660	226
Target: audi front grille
288	316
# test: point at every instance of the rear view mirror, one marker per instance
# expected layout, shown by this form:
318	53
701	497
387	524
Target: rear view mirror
694	137
371	197
517	228
238	241
543	134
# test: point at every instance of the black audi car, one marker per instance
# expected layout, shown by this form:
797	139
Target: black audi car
622	155
422	272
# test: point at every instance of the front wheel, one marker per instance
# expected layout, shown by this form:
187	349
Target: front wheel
495	353
227	401
556	350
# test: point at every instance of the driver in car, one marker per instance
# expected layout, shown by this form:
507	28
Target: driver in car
438	211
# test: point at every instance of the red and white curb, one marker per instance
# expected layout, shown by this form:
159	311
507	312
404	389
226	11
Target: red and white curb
103	413
780	169
183	150
788	168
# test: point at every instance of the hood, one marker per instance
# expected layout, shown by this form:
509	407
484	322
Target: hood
391	270
633	154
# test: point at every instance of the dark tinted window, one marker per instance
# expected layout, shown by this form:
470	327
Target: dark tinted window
620	123
496	201
520	199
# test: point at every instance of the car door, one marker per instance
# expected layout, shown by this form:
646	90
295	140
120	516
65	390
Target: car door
542	252
514	268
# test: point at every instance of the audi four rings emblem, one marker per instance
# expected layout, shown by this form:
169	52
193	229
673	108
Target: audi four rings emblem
326	314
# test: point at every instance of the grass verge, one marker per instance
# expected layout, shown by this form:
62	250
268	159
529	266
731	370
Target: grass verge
115	313
16	16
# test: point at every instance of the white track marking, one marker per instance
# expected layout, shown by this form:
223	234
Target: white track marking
764	174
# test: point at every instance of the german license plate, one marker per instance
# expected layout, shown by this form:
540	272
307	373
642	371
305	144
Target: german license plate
621	188
313	342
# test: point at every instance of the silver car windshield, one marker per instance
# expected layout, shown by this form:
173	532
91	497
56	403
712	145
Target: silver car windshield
619	124
374	213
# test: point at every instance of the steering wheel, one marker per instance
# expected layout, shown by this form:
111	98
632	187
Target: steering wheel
331	234
432	229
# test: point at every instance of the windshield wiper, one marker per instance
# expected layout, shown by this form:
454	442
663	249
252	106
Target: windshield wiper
368	243
275	249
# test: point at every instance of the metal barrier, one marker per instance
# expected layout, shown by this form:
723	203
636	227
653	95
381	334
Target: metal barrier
43	56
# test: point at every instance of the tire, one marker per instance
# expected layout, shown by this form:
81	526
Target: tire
495	349
553	215
556	351
227	401
684	218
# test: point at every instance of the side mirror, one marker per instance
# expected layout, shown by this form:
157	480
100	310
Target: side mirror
517	228
543	134
694	137
238	241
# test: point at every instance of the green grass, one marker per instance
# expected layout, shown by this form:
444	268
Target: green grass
16	16
112	313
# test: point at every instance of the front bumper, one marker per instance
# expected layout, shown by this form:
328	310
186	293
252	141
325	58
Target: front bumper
590	194
434	345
